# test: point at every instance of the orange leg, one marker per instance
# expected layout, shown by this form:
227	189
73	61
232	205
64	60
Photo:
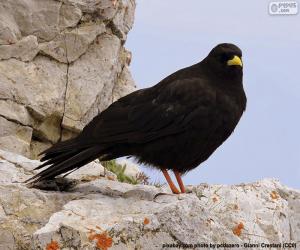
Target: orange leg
170	182
179	181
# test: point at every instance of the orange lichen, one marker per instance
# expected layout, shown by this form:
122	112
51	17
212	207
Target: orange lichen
215	199
103	241
237	230
274	195
111	178
146	221
53	245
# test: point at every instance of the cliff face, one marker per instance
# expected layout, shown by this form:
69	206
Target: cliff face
98	213
61	63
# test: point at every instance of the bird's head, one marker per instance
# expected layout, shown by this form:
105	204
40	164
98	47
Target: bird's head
225	60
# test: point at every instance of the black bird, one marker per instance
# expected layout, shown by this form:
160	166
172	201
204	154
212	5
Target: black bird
176	124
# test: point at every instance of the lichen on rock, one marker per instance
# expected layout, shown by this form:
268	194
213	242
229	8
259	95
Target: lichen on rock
99	213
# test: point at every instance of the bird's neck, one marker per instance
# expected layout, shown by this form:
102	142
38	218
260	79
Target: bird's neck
231	83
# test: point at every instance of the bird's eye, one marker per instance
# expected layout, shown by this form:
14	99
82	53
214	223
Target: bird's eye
224	57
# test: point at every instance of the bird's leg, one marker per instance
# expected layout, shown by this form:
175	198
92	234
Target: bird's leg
170	182
179	181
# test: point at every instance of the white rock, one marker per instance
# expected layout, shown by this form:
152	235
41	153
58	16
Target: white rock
124	216
21	162
25	210
188	219
91	171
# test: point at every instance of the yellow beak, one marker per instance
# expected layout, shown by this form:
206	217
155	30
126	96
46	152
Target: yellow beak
235	61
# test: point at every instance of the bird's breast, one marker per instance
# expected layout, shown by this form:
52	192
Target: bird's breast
229	109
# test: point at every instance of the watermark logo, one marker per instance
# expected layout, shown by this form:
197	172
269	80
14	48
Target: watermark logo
283	8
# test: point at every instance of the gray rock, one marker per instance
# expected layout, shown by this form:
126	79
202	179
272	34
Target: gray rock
31	17
88	91
61	63
49	129
123	20
36	147
101	213
32	94
102	10
91	171
68	46
124	85
10	32
15	137
39	84
69	16
25	49
15	112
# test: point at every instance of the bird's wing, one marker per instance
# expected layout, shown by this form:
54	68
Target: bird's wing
148	114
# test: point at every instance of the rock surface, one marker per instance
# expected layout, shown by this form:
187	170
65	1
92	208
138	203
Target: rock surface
61	63
104	214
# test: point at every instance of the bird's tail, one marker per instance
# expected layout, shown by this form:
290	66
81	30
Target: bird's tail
63	158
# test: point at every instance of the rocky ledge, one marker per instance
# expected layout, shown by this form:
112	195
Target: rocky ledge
100	213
